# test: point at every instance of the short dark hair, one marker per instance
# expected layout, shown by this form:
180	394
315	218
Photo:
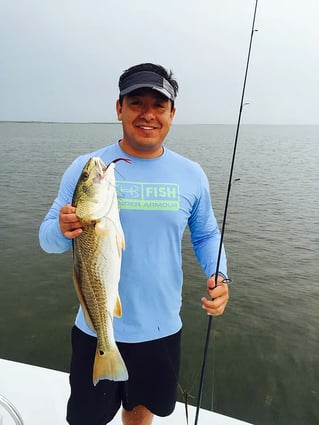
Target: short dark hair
158	69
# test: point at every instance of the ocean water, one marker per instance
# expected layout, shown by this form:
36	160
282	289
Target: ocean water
263	362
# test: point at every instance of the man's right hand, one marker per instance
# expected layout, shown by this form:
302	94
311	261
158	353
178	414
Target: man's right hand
70	225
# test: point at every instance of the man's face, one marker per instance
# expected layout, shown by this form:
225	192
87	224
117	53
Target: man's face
146	117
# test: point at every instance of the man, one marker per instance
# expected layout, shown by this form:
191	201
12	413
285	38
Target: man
160	193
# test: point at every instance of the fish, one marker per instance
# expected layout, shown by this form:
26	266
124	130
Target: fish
97	254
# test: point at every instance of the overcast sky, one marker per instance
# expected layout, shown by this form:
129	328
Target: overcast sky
61	59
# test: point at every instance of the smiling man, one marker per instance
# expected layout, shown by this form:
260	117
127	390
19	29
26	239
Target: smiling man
146	109
159	194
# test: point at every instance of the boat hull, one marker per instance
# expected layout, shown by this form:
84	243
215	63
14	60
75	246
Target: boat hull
40	396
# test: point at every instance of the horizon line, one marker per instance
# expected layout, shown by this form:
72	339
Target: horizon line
118	123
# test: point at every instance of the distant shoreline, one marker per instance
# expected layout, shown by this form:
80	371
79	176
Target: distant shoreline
174	124
56	122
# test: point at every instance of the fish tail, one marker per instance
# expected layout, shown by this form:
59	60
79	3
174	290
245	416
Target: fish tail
109	365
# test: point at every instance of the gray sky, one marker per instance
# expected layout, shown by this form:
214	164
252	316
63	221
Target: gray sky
61	59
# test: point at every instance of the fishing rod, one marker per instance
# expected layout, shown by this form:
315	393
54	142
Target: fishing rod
210	318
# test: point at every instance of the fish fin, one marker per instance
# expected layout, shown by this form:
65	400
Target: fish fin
120	243
123	242
109	365
101	228
120	240
120	234
118	307
82	301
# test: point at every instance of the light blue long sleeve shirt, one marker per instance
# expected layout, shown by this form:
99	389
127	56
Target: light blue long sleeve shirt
158	198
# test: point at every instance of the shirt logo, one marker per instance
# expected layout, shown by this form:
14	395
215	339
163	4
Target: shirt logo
148	196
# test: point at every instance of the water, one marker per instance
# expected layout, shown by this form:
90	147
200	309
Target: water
263	364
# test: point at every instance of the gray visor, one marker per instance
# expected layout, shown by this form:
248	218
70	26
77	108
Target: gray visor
149	79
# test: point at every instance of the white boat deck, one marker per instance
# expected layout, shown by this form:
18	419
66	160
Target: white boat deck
40	396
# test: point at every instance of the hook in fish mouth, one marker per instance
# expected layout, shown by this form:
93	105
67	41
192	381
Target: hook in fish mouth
128	160
101	167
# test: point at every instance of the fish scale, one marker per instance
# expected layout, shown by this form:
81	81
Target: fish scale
95	294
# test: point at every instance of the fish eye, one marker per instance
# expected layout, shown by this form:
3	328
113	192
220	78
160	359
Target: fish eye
85	175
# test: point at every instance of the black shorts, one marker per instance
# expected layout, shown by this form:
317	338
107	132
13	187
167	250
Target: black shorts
153	369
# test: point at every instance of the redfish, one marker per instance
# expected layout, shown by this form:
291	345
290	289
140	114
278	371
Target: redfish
97	263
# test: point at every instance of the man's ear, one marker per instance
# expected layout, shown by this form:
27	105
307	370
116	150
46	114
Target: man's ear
119	110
